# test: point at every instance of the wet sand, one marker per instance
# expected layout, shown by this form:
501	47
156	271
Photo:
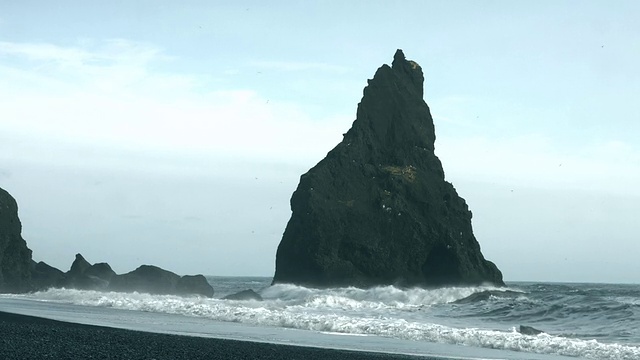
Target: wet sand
26	337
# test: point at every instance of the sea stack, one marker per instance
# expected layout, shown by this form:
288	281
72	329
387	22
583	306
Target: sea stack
15	256
377	209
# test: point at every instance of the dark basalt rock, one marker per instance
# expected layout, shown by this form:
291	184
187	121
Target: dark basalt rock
100	270
146	278
85	276
45	276
15	256
154	280
528	330
244	295
79	266
100	276
194	284
377	209
19	273
487	295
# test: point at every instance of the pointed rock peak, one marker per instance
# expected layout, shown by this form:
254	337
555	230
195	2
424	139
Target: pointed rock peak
393	113
409	69
79	265
398	58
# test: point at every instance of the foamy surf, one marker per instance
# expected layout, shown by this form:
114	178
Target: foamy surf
443	316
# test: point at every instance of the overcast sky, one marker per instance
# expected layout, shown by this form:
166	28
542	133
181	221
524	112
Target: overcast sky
174	133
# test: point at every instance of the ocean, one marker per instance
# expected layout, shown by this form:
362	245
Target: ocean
591	321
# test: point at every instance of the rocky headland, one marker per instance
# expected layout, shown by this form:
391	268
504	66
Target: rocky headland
19	273
15	256
377	209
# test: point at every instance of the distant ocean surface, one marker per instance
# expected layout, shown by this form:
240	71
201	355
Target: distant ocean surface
593	321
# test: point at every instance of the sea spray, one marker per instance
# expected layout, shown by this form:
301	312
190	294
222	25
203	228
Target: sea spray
471	316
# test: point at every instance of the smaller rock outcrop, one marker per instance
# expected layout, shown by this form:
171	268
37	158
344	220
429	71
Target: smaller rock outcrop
194	284
44	276
154	280
244	295
85	276
147	278
78	266
100	270
528	330
19	273
100	276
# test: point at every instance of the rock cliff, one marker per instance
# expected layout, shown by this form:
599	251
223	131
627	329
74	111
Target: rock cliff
377	209
19	273
15	256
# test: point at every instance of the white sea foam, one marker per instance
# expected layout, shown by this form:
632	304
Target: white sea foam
378	311
383	296
628	300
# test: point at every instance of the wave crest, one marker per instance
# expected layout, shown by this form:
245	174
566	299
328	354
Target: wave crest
382	311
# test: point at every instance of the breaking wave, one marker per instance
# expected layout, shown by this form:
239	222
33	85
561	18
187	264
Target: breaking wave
411	314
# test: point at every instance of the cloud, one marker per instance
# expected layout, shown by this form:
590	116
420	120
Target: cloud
87	53
107	95
535	161
298	66
46	52
107	67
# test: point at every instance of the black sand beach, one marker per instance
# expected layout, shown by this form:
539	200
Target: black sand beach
26	337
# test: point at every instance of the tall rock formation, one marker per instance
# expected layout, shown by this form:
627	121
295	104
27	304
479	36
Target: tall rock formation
15	256
377	209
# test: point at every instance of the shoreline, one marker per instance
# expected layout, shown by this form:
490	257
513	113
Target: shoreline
30	337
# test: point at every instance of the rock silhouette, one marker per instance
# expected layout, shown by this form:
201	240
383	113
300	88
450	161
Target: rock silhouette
248	294
377	209
86	276
44	276
154	280
19	273
15	256
194	285
528	330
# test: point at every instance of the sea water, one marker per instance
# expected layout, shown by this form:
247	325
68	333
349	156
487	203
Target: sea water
593	321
